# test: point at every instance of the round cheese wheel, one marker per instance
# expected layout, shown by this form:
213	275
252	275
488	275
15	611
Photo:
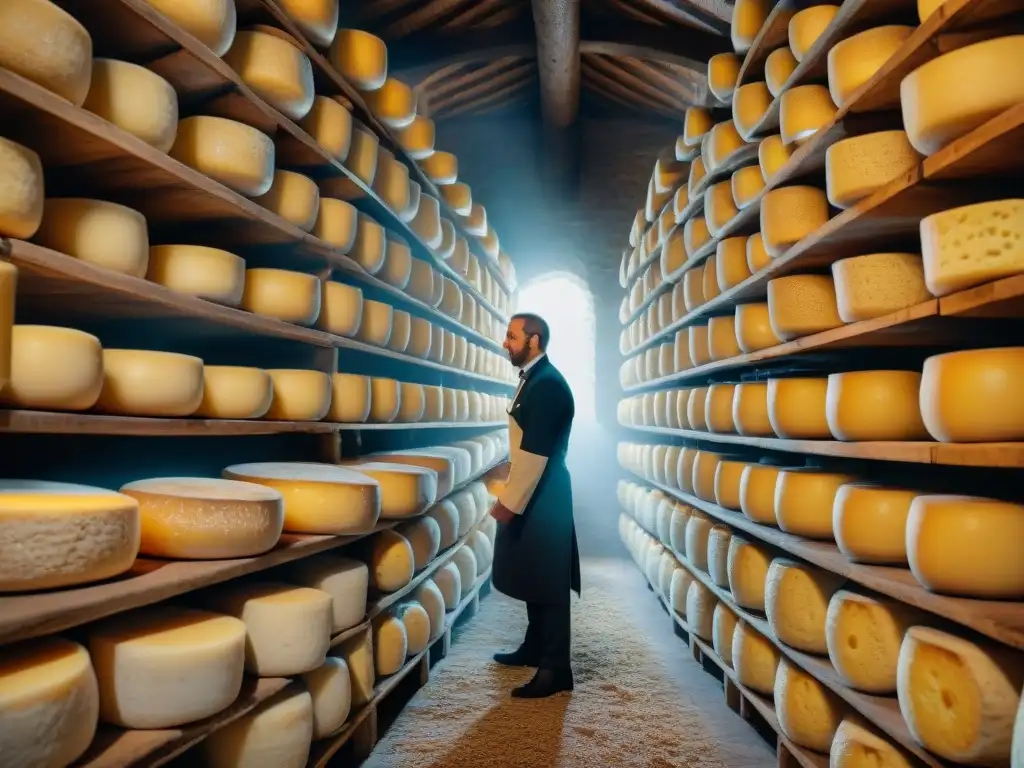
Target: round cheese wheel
755	659
104	234
330	687
299	395
385	400
804	500
449	580
293	297
144	383
789	214
854	61
803	111
443	463
722	628
212	22
700	610
350	398
21	199
809	714
278	732
234	392
136	100
802	305
424	536
753	328
465	561
376	325
796	603
390	645
806	26
446	515
757	493
405	490
750	410
857	167
412	401
417	139
51	368
318	20
878	284
293	197
429	596
870	523
394	104
346	580
777	69
207	273
416	620
855	746
797	410
747	567
232	153
718	554
391	561
482	550
336	223
874	405
276	69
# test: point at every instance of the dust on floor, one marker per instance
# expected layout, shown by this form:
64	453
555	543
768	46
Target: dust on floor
640	699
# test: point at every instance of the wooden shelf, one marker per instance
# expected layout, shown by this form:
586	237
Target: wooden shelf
1002	621
774	33
745	155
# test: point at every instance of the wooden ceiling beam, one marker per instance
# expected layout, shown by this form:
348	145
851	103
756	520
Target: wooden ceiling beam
557	29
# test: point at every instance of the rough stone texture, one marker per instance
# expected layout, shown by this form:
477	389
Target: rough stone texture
641	701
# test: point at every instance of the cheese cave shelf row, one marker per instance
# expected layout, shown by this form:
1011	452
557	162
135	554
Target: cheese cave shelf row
824	301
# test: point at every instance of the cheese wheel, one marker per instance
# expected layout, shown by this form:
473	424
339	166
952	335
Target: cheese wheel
213	23
329	124
299	395
63	535
465	561
278	732
757	493
330	687
45	44
804	501
802	305
449	581
973	396
447	465
718	408
806	26
318	22
975	244
231	153
854	61
103	234
863	636
429	596
700	610
376	325
695	409
747	567
719	207
234	392
405	490
344	579
925	8
163	667
753	328
369	249
874	405
797	408
777	69
441	167
747	185
8	288
796	603
731	262
293	197
57	369
350	398
723	141
482	550
718	554
750	410
136	100
292	297
341	308
21	199
51	681
143	383
934	116
697	174
854	746
958	698
857	167
748	16
755	659
318	498
750	103
361	58
696	123
416	623
789	214
878	284
722	628
358	654
385	400
207	273
809	714
698	530
803	111
391	561
424	536
723	72
870	522
336	224
276	69
772	156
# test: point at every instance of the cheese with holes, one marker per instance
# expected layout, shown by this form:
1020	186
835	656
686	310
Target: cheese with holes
975	244
789	214
870	523
293	197
936	114
143	383
329	124
723	72
391	561
449	581
722	628
465	561
405	490
796	602
292	297
755	659
51	368
21	197
803	111
757	493
49	703
772	156
750	410
718	408
854	61
973	396
299	395
809	714
747	567
719	207
700	610
797	410
878	284
277	732
207	273
855	746
863	635
857	167
136	100
718	553
777	69
61	534
802	305
104	234
747	184
874	405
967	546
753	327
804	500
344	579
748	16
232	153
163	667
330	687
429	596
375	327
807	26
44	44
959	698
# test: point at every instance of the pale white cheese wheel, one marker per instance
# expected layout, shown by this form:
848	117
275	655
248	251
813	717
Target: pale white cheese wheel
755	659
679	589
416	620
104	234
465	561
299	395
391	561
350	398
232	153
163	667
293	197
429	596
722	629
466	506
405	490
700	610
287	628
292	297
331	689
318	498
390	645
424	536
449	580
206	273
21	198
275	68
61	534
235	392
144	383
796	603
212	22
51	368
345	579
482	550
199	518
278	732
49	703
446	515
134	99
855	746
809	714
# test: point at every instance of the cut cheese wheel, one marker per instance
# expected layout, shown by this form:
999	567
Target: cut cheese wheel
164	667
144	383
318	498
878	284
391	561
789	214
864	635
961	545
278	732
772	156
330	687
755	659
232	153
58	369
718	408
975	244
804	500
344	579
234	392
874	405
959	698
293	297
45	44
777	69
385	397
329	124
747	567
405	490
802	305
796	603
46	681
198	518
700	610
803	111
857	167
465	561
376	325
973	396
449	580
854	746
757	493
723	72
416	623
287	629
750	410
809	714
870	522
21	199
136	100
299	395
424	536
723	626
753	328
854	61
62	535
358	654
796	408
293	197
104	234
807	26
361	58
207	273
350	398
429	596
748	16
212	23
394	104
934	116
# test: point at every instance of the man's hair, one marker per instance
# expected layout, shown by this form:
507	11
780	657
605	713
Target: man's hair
535	325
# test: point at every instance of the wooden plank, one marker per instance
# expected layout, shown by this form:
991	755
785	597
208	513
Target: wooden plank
1002	298
745	155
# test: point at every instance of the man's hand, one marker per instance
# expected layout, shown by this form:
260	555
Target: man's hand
501	513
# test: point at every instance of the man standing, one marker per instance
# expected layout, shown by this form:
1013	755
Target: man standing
536	558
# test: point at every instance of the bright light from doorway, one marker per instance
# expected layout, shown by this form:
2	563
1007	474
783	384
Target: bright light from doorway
566	303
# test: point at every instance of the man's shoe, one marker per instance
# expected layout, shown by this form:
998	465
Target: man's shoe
547	682
518	658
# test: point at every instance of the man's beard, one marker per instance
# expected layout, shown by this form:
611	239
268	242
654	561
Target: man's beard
518	358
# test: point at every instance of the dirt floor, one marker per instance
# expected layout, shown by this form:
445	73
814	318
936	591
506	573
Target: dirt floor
640	699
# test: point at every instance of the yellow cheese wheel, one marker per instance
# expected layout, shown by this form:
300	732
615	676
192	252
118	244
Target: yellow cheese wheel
299	395
936	113
213	23
750	104
329	124
143	383
718	408
361	58
378	320
719	207
803	111
696	123
789	214
856	746
293	197
293	297
441	168
857	167
748	16
757	493
391	181
417	139
727	494
753	328
966	546
8	288
235	392
777	69
757	255
723	141
772	156
925	8
755	659
870	523
874	405
807	26
232	153
700	352
797	408
722	343
350	398
723	72
341	308
696	234
747	567
697	174
974	244
802	305
275	68
21	198
797	597
722	629
336	224
316	19
750	409
705	464
208	273
809	714
134	99
394	104
731	262
804	500
59	369
854	61
973	396
747	183
385	400
711	289
361	160
878	284
476	222
106	234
